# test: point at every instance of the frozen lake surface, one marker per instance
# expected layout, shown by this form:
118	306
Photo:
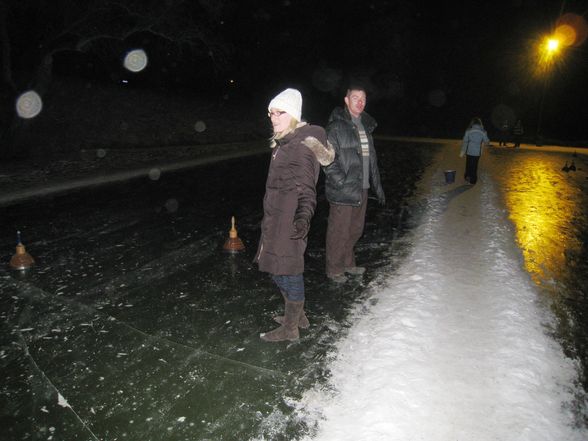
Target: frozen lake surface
134	325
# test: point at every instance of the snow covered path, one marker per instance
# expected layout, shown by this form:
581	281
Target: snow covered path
456	346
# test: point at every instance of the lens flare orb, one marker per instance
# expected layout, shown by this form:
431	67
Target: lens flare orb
200	126
154	174
566	34
437	98
571	29
29	104
136	60
172	205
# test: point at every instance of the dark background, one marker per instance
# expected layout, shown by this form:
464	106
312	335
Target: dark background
428	68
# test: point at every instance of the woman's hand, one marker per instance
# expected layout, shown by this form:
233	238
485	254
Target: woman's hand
301	228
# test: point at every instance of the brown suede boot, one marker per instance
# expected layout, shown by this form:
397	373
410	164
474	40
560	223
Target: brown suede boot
303	322
289	328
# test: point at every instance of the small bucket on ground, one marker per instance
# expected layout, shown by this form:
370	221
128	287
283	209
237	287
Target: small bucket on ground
449	176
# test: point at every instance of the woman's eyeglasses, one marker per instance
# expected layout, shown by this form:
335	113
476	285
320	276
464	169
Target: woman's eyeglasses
278	113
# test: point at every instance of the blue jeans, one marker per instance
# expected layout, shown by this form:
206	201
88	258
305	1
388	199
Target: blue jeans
291	286
344	228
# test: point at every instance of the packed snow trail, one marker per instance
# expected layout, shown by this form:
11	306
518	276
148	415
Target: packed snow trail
456	346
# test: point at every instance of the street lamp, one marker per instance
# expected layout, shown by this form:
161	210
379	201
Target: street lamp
570	31
548	51
552	45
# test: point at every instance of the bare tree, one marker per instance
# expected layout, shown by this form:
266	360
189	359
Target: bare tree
33	32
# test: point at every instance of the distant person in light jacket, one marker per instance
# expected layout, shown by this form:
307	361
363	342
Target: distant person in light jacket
474	139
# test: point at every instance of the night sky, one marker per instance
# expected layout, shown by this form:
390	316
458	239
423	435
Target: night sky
428	68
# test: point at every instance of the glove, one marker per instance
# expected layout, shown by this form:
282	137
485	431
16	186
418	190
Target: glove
382	199
300	229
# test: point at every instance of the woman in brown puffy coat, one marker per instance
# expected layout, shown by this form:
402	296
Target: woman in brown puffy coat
299	150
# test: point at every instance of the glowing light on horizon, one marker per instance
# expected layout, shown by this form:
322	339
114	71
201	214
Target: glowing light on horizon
29	104
135	60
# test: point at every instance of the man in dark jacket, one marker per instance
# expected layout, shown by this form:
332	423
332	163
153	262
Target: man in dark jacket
348	179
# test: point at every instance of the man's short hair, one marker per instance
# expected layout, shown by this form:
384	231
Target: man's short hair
353	87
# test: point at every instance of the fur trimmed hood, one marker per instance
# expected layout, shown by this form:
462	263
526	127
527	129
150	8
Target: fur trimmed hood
324	154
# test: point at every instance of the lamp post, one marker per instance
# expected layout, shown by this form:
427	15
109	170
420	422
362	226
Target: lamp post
548	51
538	136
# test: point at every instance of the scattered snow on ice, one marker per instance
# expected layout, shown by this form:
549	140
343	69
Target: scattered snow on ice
62	401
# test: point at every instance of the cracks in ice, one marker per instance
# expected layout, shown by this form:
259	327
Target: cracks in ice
61	399
26	290
90	309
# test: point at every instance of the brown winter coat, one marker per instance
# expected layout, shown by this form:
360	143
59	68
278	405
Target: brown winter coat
290	194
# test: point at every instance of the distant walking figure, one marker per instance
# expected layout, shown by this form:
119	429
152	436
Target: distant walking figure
518	131
474	139
504	131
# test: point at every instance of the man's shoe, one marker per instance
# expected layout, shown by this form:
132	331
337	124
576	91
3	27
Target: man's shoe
338	278
355	270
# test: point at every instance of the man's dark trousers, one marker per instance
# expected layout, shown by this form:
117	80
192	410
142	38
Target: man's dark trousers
344	229
471	171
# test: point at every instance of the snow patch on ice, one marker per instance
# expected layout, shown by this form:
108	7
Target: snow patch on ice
62	401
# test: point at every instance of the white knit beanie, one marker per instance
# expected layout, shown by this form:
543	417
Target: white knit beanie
290	100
